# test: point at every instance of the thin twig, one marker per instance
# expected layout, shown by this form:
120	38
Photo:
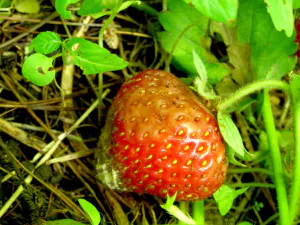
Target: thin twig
15	39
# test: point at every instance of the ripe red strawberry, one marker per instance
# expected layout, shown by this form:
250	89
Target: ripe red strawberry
160	139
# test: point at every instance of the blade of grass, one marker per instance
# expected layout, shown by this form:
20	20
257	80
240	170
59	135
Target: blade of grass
184	207
284	216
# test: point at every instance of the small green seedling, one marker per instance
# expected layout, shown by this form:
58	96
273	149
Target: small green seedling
175	211
90	57
89	209
225	197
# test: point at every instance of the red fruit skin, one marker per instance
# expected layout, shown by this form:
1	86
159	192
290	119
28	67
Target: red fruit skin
159	139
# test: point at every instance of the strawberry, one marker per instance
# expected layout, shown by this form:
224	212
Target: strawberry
159	139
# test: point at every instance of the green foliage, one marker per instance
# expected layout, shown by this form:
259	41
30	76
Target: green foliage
281	12
89	7
45	42
5	4
38	69
295	87
27	6
296	4
64	222
258	206
91	211
186	30
245	223
202	87
223	11
230	155
95	8
256	50
61	7
90	57
111	3
175	211
225	197
230	133
270	50
199	66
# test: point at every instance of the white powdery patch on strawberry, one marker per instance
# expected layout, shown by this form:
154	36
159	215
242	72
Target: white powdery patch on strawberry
110	177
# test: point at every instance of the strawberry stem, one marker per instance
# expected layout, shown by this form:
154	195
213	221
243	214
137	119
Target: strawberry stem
232	100
198	212
295	187
278	173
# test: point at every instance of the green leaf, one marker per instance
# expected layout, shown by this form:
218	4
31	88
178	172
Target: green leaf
27	6
296	4
175	211
227	86
230	133
200	82
199	66
271	51
63	222
223	11
281	12
91	58
38	69
61	7
256	50
204	89
187	23
230	155
91	211
245	223
90	7
5	4
126	4
225	196
111	3
295	87
170	202
45	42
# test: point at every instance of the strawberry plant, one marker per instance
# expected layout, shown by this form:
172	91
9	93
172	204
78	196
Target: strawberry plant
198	112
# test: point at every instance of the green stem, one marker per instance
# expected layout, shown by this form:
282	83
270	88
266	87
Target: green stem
250	88
295	187
271	219
248	170
165	5
284	214
144	7
58	54
169	59
100	41
252	184
107	22
198	212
